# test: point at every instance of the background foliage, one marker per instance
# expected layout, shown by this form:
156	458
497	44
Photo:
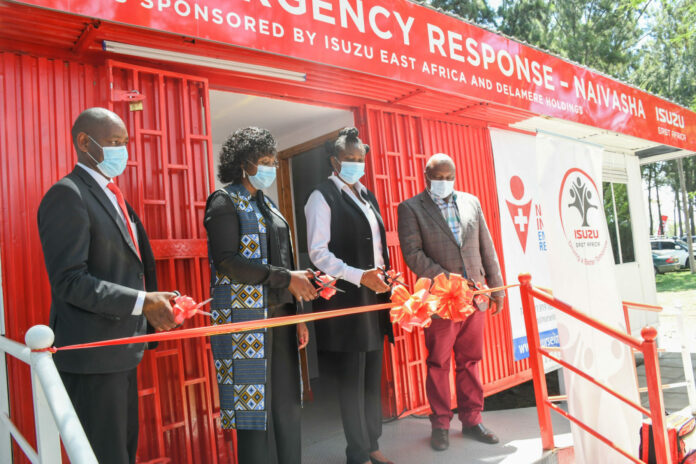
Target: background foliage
648	43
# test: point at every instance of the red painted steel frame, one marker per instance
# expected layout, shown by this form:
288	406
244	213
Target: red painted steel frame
400	144
45	83
167	179
641	306
652	370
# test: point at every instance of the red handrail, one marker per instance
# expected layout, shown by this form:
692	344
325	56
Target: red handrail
643	307
647	346
594	381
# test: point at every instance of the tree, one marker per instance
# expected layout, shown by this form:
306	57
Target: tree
527	20
477	11
601	34
667	62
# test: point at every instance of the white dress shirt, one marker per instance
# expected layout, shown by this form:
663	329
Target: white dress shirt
103	182
318	214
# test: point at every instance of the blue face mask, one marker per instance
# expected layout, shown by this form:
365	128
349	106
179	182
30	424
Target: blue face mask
264	177
114	162
351	172
441	188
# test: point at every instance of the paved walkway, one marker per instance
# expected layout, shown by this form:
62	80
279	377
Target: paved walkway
406	441
668	322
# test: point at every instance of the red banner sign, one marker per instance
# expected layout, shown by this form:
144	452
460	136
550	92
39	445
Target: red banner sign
408	42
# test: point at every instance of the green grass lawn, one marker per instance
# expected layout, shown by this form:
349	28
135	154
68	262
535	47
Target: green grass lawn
675	281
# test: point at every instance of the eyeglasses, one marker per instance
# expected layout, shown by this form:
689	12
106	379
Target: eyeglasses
274	164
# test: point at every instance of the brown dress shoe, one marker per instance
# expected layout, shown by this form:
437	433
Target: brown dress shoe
481	433
439	439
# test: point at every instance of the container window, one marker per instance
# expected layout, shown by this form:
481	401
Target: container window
618	214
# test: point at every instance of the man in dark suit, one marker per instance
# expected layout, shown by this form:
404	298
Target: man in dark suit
102	274
443	231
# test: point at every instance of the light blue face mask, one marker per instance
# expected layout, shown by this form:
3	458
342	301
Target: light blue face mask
264	177
114	162
441	188
351	172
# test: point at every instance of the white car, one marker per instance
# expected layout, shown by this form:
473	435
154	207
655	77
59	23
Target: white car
680	249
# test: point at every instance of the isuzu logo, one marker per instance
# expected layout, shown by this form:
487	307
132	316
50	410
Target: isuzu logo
580	210
670	117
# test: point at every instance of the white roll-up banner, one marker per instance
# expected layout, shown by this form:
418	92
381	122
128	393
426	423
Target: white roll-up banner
567	188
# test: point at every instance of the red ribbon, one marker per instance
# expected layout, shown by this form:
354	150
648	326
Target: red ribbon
182	334
184	308
449	298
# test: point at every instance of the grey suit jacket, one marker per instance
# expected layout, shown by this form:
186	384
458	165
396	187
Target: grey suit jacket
429	247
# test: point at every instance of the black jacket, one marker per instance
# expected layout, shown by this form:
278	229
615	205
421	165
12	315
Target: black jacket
351	241
95	275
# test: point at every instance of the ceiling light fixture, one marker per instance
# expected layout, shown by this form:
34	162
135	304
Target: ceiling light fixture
196	60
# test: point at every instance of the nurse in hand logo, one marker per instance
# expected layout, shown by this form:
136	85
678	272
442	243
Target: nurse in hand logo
520	209
581	197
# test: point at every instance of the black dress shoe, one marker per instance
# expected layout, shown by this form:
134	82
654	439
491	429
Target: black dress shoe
481	433
439	440
377	461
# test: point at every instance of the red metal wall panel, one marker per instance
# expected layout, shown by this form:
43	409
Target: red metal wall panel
169	177
39	99
167	181
400	145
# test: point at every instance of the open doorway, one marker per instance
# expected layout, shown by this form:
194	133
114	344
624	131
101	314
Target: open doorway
301	131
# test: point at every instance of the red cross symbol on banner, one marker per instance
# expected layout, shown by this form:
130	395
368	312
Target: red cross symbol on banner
519	212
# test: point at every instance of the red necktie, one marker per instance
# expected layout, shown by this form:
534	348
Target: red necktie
122	204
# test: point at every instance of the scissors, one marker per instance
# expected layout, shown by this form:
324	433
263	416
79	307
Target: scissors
392	278
483	300
321	284
200	305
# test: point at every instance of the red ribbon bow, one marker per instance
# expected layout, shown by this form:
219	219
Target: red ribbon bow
454	297
412	310
186	307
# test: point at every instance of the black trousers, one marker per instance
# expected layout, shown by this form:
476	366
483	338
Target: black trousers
281	442
107	405
359	376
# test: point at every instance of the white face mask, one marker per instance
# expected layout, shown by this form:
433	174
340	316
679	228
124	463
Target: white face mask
441	188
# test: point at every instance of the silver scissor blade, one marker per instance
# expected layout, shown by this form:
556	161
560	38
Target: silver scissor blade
203	303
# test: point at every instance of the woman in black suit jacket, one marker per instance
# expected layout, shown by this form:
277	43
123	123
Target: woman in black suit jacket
347	240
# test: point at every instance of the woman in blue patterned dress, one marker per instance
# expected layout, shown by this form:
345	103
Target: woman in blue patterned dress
251	257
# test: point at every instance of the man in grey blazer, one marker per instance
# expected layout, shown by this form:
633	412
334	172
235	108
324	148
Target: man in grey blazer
442	230
103	285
